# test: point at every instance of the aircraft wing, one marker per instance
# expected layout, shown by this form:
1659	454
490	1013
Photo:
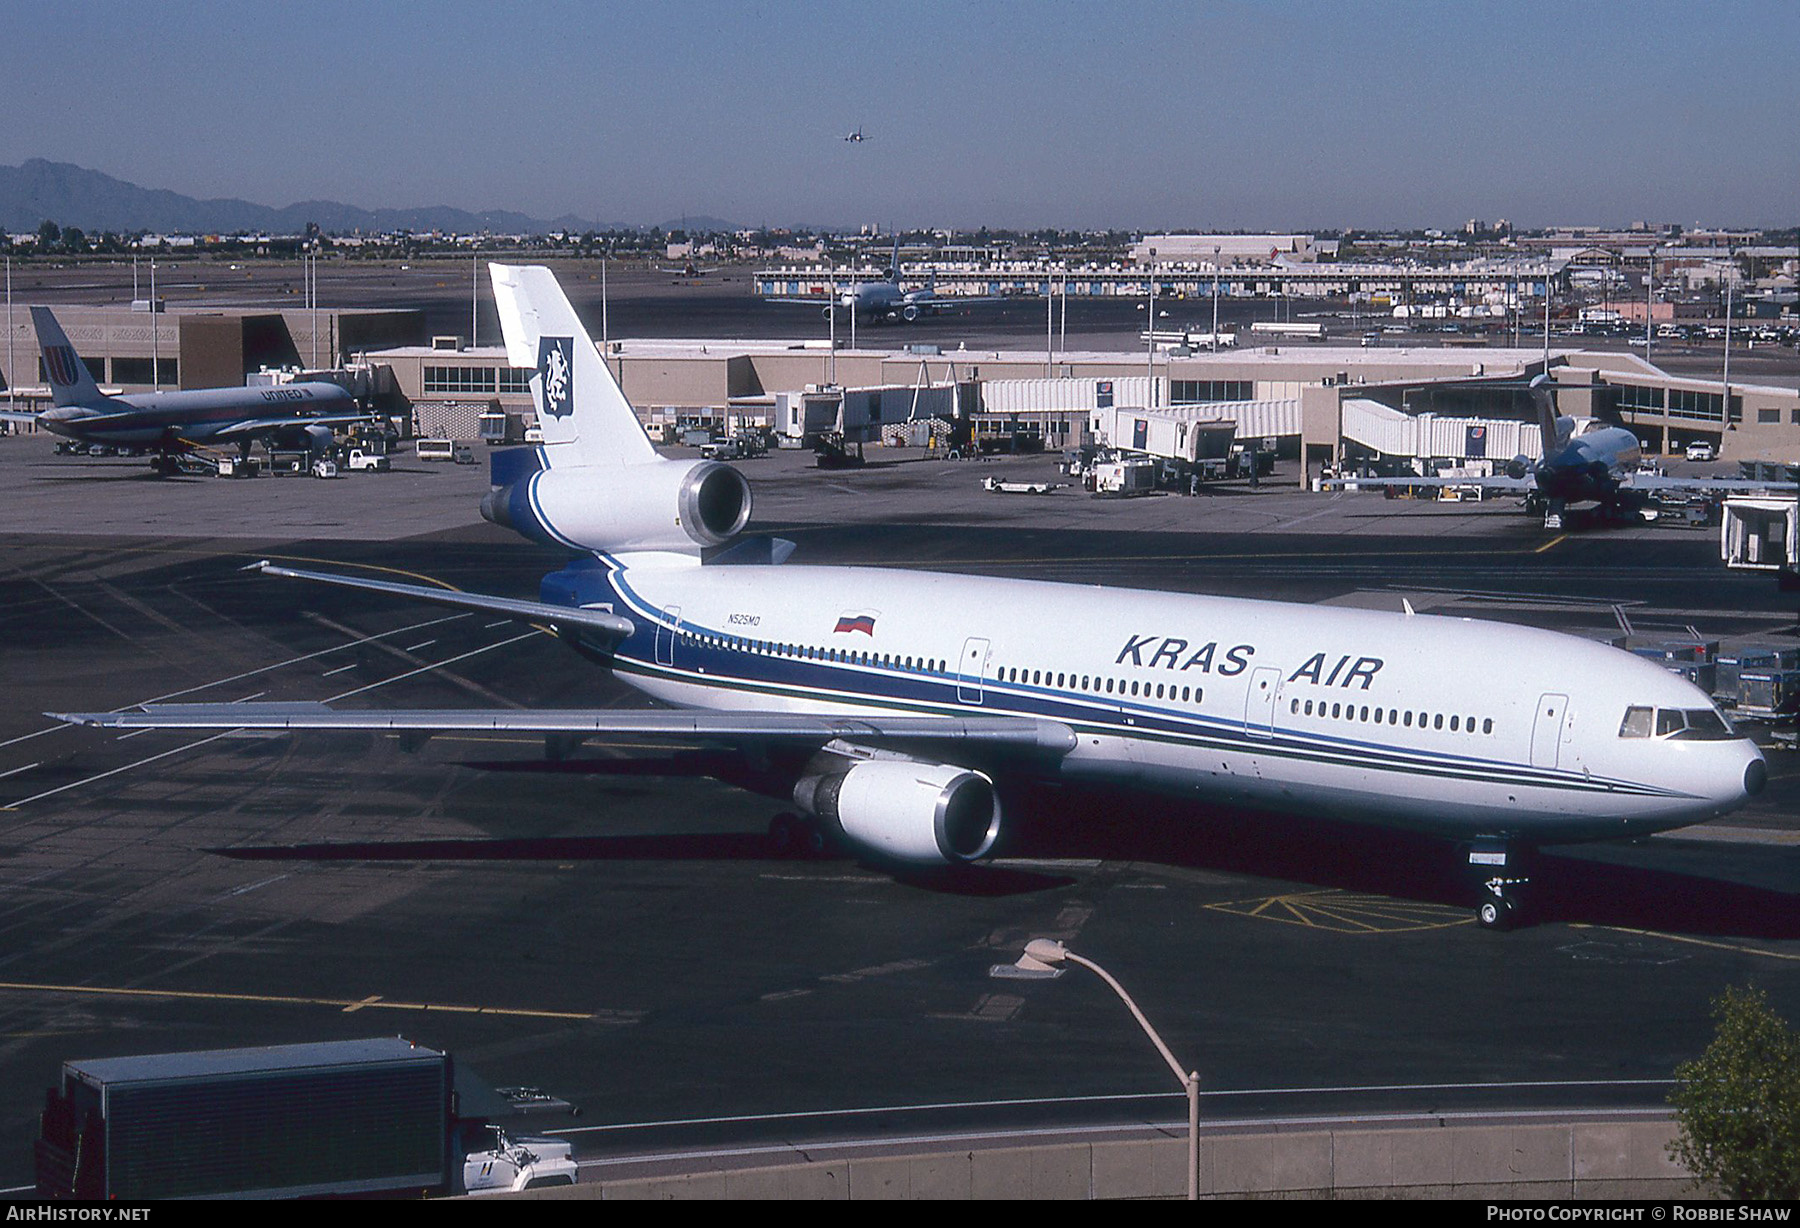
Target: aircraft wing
18	415
695	728
251	426
1498	481
562	617
1662	482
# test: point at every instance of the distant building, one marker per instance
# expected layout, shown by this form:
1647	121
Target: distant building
1225	249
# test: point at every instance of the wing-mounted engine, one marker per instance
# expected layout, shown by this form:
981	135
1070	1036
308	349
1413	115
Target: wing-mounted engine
659	505
918	813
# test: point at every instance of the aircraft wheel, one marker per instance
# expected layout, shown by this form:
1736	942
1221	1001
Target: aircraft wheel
1497	913
784	835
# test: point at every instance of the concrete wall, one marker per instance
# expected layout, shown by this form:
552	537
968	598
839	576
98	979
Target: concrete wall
1568	1160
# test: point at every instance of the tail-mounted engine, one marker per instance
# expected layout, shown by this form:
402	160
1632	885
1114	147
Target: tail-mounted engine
660	505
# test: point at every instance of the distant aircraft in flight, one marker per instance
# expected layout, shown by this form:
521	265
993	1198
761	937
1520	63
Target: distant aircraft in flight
857	137
170	424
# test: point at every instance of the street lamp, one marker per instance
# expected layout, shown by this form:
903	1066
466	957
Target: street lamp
1042	955
1214	347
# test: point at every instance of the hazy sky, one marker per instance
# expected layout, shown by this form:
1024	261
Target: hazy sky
1202	114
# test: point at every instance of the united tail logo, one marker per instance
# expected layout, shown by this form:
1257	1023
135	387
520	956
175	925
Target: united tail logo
59	365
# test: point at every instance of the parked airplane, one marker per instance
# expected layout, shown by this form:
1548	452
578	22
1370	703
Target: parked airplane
170	424
1585	461
897	709
885	300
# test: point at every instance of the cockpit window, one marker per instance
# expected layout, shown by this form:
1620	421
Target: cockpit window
1705	725
1682	724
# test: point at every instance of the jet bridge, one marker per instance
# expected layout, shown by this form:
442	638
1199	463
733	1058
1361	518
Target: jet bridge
1762	533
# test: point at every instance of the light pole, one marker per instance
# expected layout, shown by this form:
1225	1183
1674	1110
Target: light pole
1725	389
1214	347
1043	954
1150	335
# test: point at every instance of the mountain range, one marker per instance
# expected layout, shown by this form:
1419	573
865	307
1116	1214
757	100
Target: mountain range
38	190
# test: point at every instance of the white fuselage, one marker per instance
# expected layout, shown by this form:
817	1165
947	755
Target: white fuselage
1447	725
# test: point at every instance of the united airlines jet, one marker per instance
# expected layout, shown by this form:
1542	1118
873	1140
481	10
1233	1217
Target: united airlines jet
894	709
170	424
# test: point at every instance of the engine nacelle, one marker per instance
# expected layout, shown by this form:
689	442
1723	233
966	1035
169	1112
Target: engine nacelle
663	505
1518	466
910	312
927	814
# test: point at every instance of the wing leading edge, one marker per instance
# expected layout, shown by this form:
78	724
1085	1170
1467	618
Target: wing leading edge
697	728
562	617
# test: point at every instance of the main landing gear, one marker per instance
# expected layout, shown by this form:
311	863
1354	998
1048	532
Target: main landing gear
1497	866
798	836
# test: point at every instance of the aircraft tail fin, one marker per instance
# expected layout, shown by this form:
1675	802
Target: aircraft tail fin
584	416
71	383
893	272
1543	399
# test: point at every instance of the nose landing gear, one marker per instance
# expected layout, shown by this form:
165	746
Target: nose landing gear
1495	864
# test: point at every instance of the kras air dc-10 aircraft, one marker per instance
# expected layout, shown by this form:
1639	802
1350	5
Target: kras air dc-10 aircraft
894	708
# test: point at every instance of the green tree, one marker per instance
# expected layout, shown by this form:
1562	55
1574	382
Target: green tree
1737	1106
49	235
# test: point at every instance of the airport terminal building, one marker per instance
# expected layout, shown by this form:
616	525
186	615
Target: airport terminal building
1294	391
1297	392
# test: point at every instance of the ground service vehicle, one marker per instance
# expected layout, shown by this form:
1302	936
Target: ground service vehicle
338	1118
360	461
286	1121
434	450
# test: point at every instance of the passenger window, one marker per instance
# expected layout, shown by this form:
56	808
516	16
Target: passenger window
1437	721
1487	726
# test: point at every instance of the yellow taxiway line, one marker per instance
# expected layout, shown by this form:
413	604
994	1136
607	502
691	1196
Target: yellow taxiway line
347	1005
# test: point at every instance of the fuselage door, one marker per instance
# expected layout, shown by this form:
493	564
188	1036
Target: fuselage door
666	632
1259	704
970	670
1546	730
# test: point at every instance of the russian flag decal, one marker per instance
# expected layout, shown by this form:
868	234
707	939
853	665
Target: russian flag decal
864	623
